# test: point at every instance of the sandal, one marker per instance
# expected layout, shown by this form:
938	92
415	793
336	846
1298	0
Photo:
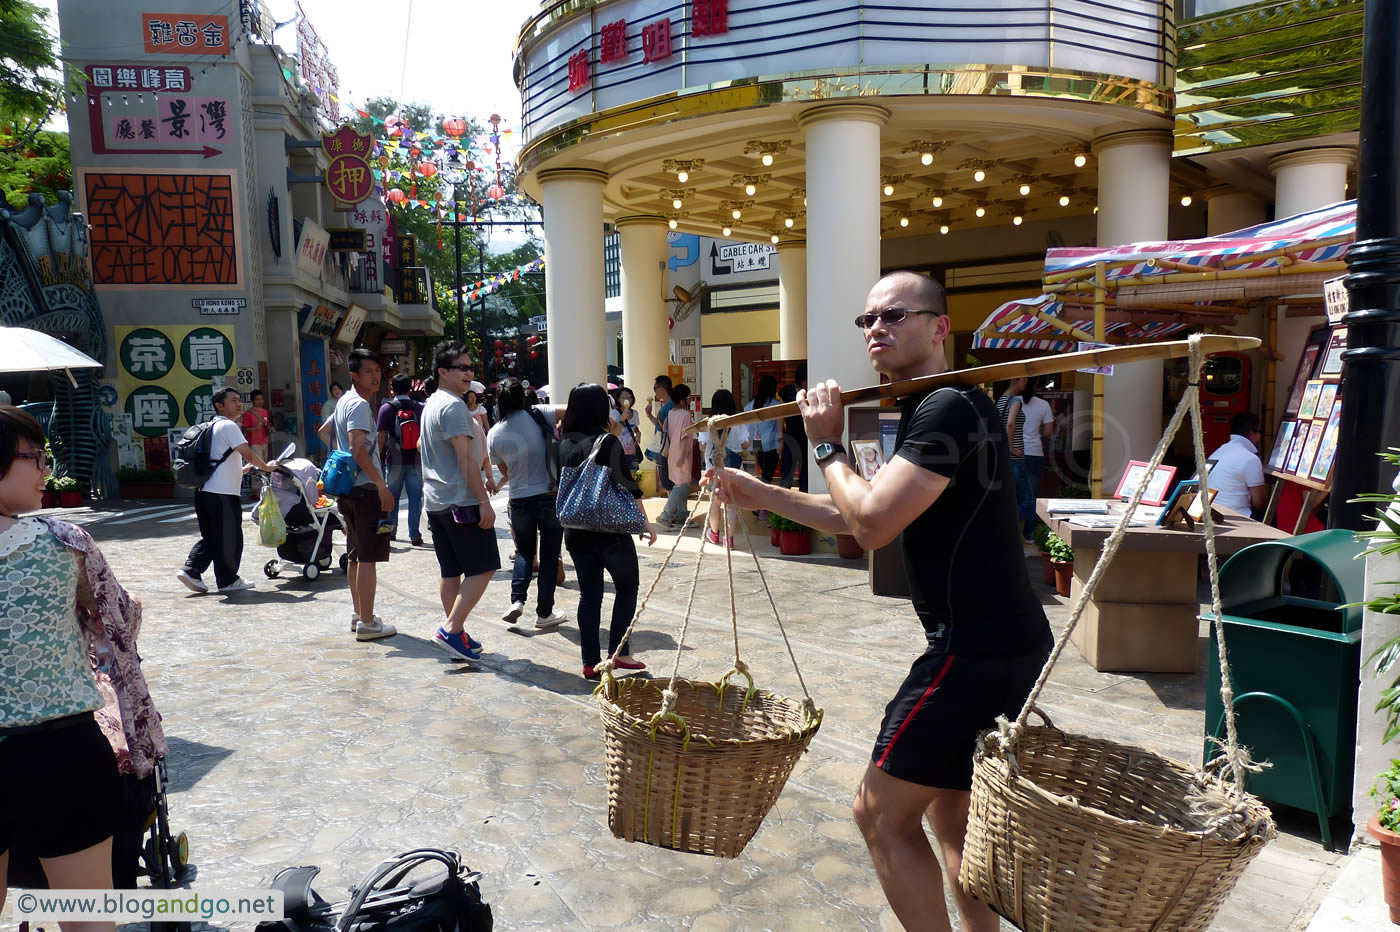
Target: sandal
628	664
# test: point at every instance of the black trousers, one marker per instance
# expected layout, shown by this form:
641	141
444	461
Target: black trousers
592	554
220	536
528	517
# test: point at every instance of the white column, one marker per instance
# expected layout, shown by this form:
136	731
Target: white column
1303	181
843	238
1134	194
1229	209
573	273
792	299
645	334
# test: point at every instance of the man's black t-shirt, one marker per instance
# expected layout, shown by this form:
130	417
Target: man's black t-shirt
963	555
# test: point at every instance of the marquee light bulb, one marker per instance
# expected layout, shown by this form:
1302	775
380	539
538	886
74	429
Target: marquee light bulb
773	239
736	213
1080	160
979	176
1096	208
926	158
1064	200
787	222
682	176
937	201
1025	189
1016	220
725	230
981	211
889	189
767	159
904	221
1186	200
750	190
943	229
676	203
672	223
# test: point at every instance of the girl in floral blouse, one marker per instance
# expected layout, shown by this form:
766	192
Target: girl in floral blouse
58	772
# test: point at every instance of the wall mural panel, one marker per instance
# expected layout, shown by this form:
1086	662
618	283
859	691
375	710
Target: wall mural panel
163	229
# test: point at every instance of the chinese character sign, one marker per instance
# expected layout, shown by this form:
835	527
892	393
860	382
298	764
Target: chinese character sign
165	372
656	41
348	177
709	17
578	70
185	34
612	41
314	388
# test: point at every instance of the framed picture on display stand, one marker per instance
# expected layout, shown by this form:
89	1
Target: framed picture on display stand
1310	446
867	455
1311	392
1332	362
1156	492
1300	381
1286	431
1325	399
1327	450
1295	452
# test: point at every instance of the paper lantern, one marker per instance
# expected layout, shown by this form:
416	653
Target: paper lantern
500	343
427	169
495	192
499	353
454	126
414	152
392	124
397	196
534	354
383	161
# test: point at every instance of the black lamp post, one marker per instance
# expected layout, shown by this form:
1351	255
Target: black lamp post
454	174
1371	408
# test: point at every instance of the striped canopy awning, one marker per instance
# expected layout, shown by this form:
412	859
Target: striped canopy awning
1041	323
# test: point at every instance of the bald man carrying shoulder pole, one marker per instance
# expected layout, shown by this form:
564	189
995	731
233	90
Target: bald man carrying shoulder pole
949	494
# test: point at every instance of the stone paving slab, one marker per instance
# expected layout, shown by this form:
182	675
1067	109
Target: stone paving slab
291	743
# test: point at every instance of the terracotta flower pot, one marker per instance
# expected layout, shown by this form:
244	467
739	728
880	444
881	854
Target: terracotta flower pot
1047	568
141	488
795	543
847	547
50	499
1390	864
773	536
70	499
1064	572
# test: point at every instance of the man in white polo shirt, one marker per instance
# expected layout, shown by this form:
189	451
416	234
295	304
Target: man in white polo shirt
1238	472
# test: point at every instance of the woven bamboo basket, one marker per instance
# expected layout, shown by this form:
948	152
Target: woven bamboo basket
700	780
1070	834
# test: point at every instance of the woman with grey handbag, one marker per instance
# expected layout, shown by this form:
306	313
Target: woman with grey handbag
586	440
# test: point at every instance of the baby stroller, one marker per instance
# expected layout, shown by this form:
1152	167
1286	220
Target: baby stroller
308	547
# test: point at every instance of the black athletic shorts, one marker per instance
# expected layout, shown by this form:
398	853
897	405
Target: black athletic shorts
463	549
931	726
61	790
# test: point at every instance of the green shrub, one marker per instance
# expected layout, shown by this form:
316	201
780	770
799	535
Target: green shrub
1060	552
1040	536
785	524
65	484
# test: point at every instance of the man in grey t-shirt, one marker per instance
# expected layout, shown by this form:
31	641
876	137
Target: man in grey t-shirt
460	517
370	501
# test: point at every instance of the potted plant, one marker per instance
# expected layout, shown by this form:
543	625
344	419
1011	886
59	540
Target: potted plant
69	495
773	529
794	540
146	483
50	498
848	548
1384	827
1039	537
1062	561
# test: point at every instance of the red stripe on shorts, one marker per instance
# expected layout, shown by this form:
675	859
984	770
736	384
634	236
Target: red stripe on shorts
915	711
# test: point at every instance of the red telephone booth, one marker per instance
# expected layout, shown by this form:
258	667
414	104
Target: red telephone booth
1224	393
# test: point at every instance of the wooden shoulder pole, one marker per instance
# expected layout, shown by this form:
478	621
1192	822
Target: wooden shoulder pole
1100	332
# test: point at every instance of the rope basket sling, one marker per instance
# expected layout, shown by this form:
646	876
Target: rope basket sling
696	766
1068	832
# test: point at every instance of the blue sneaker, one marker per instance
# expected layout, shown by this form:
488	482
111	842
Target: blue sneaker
458	645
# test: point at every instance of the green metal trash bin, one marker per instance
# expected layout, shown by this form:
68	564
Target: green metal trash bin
1295	667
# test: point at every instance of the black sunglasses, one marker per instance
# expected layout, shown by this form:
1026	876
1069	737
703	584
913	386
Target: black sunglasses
889	315
466	367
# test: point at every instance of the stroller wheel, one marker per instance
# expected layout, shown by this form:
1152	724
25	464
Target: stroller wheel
270	569
180	856
324	564
344	562
310	571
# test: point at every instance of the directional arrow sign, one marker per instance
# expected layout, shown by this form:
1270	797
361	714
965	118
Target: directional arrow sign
209	152
715	267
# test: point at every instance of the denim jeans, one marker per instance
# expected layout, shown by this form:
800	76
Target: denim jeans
1033	468
676	503
401	476
529	516
616	554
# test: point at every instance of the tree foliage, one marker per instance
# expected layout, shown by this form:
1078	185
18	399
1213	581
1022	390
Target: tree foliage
29	83
37	165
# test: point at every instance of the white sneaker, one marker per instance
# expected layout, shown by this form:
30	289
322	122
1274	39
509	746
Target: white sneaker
551	620
374	629
354	621
191	581
238	585
512	614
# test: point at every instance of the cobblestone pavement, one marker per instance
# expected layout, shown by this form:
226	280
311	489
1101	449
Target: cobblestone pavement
291	743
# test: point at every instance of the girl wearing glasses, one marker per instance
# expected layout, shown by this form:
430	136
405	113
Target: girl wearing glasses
62	614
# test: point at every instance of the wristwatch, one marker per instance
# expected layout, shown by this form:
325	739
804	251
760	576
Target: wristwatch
825	451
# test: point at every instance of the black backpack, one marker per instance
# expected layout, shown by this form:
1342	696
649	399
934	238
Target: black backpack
386	901
551	448
193	456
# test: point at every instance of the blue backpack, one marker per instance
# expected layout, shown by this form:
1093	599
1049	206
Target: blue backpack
339	474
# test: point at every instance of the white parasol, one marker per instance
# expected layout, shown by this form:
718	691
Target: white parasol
24	350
